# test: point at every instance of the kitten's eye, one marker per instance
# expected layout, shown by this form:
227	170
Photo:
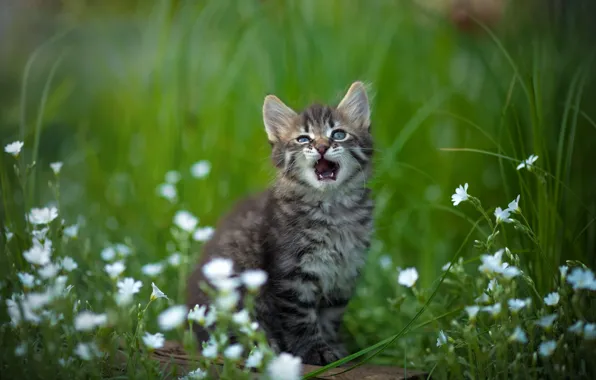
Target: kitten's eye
303	139
339	135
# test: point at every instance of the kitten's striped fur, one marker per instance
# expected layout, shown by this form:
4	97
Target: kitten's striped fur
310	234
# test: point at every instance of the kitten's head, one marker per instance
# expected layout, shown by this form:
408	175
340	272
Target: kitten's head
322	147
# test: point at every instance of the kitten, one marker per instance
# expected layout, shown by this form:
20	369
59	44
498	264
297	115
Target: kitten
310	231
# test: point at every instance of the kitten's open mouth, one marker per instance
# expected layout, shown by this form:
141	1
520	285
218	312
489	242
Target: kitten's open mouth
326	170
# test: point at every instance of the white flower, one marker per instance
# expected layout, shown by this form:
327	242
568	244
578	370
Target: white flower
254	279
87	351
285	367
234	351
108	253
56	167
502	215
203	234
552	299
175	259
527	163
210	350
563	270
408	277
87	321
255	359
385	261
68	264
152	269
249	330
494	310
509	271
14	148
197	374
461	195
168	191
14	306
442	339
21	349
582	279
27	279
218	268
127	288
157	293
43	215
153	341
547	348
185	221
72	231
173	177
172	317
515	304
590	331
547	321
514	205
122	249
36	301
115	269
472	311
492	263
40	235
227	301
493	285
577	328
48	271
483	298
241	318
519	335
200	169
39	254
226	285
198	315
8	234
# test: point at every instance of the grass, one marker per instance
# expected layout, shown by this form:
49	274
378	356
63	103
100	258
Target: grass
124	96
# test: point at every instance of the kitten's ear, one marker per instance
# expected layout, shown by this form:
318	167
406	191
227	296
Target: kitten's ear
277	117
355	105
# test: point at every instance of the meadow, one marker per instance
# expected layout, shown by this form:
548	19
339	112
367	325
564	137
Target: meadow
153	110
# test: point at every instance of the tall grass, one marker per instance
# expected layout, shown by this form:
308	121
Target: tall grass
124	98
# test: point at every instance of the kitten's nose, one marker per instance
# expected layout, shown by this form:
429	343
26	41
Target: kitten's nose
322	148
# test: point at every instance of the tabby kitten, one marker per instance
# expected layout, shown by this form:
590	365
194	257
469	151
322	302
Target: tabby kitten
310	231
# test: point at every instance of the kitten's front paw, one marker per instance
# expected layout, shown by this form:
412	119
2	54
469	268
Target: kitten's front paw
321	356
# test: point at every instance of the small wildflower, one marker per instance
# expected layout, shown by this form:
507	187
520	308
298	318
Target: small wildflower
385	261
156	293
254	279
482	299
218	268
175	259
186	221
493	285
552	299
472	311
68	264
203	234
509	272
200	169
39	254
461	195
153	341
515	304
127	288
197	374
14	148
519	336
115	269
56	167
582	279
8	234
241	317
590	331
27	279
514	205
547	321
249	330
168	191
577	328
502	215
108	254
172	317
87	351
491	263
210	350
173	177
72	231
122	249
49	271
408	277
547	348
527	163
40	235
285	367
255	359
87	321
197	314
563	270
233	352
227	301
442	339
152	269
494	310
21	349
43	215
